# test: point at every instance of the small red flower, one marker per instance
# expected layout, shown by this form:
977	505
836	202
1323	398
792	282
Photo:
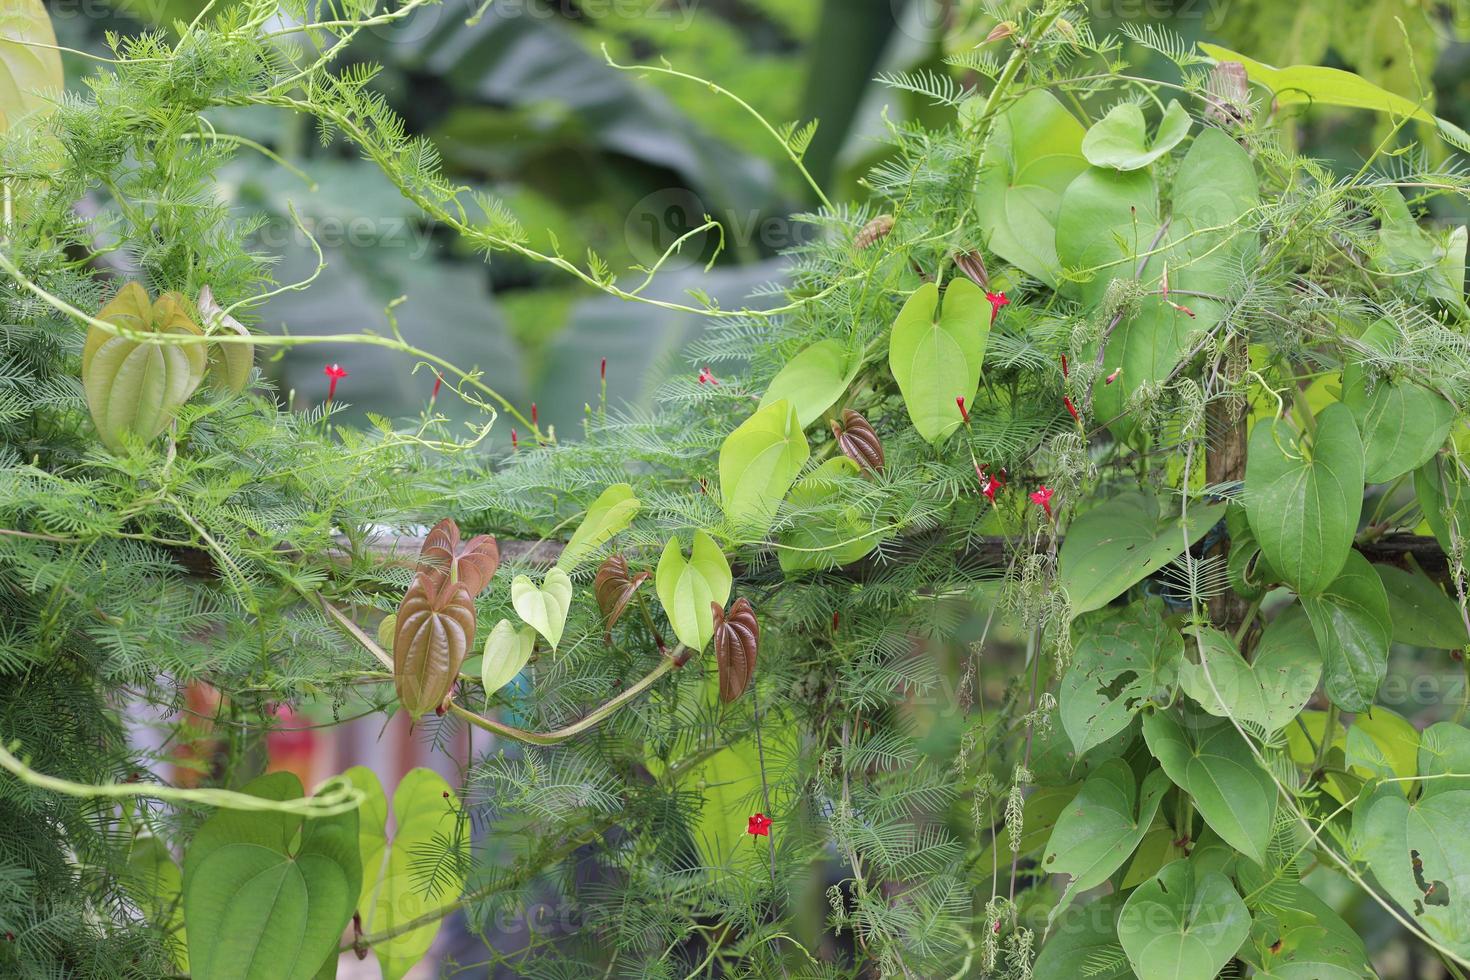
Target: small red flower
759	825
990	484
514	439
1065	367
1042	497
533	413
964	412
1071	408
604	369
438	380
836	618
1112	377
334	373
997	300
706	377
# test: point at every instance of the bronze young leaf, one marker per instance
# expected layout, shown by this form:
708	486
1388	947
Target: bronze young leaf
858	441
615	587
472	563
737	638
436	621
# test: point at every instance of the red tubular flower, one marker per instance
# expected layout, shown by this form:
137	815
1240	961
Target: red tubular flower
989	484
533	413
1042	497
1071	408
706	377
1112	377
604	369
759	825
997	300
1065	367
514	441
964	413
334	373
438	380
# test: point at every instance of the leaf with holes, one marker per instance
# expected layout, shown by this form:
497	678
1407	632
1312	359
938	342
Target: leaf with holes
1303	499
1184	923
936	354
1122	541
609	514
737	641
132	386
1211	762
1121	662
1269	690
543	609
507	651
758	463
1354	629
687	588
1420	854
1101	827
813	380
266	895
858	442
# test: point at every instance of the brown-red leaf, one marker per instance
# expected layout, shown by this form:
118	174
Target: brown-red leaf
737	640
436	625
445	559
858	441
615	587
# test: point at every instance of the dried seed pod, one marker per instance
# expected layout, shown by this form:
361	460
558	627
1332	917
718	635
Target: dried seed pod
436	625
737	640
858	441
230	363
473	563
615	587
873	231
133	386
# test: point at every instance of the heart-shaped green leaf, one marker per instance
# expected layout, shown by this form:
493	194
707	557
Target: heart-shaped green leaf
1303	499
1105	223
1120	140
1119	543
429	832
825	536
1422	615
1419	853
686	587
133	386
266	895
1272	688
1444	499
1033	152
30	65
1184	923
609	514
1121	662
936	354
507	651
1444	748
1084	943
372	832
1402	424
1213	764
758	463
1354	630
813	380
543	609
1100	827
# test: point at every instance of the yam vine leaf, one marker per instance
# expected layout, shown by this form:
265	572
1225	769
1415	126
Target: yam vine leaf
610	514
758	463
936	353
1123	661
737	642
615	586
688	588
858	441
813	380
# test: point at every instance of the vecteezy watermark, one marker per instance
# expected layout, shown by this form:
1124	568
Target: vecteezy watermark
360	231
675	227
928	20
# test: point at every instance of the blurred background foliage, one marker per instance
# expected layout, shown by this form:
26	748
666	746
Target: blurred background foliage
522	103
